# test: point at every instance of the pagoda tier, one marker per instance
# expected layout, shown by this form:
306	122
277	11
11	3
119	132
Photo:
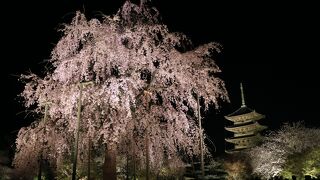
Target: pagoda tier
244	115
245	127
244	130
244	142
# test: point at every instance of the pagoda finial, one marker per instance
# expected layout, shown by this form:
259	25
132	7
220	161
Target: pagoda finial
242	96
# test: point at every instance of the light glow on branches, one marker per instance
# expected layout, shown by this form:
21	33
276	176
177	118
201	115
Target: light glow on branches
143	80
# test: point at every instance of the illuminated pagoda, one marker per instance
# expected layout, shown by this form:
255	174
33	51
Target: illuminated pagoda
245	127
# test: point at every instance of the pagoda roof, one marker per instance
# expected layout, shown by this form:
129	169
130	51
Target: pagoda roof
247	116
251	127
240	111
244	140
244	114
244	146
230	151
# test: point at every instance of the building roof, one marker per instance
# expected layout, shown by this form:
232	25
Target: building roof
245	118
251	127
244	114
240	111
245	140
245	127
231	151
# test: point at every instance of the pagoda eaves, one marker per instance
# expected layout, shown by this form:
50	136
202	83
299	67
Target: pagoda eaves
245	127
249	128
245	118
247	141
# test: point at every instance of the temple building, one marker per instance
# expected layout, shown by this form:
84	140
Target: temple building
245	127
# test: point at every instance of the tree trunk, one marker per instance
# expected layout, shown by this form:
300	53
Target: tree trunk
201	137
134	164
147	157
40	167
89	158
127	167
109	167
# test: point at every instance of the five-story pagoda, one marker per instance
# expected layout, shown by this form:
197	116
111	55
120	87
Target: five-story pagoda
245	127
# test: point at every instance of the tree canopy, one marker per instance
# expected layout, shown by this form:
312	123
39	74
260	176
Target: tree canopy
287	152
145	80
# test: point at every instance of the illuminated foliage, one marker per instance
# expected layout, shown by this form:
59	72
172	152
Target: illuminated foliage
301	164
285	152
145	79
237	167
311	163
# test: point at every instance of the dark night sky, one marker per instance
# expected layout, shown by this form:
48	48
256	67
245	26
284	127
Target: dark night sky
272	48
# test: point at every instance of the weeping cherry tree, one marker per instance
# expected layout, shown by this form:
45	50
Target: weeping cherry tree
142	102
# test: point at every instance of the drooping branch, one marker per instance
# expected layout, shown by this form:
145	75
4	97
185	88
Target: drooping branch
143	80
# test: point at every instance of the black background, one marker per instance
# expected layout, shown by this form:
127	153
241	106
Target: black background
272	48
